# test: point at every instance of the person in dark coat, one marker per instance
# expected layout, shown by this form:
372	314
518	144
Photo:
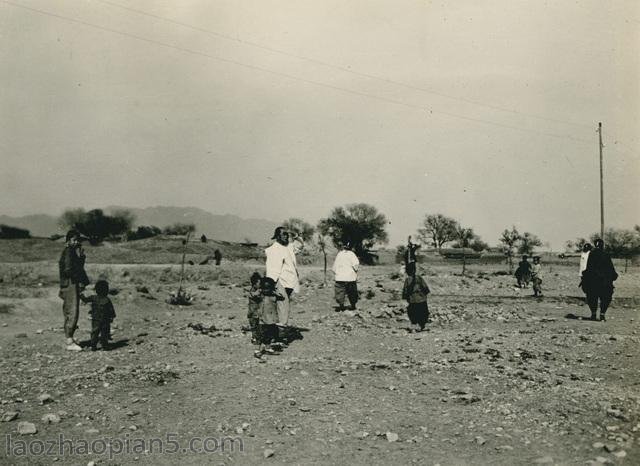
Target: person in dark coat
73	279
597	280
523	272
415	291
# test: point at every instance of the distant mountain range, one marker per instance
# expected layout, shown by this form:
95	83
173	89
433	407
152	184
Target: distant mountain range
220	227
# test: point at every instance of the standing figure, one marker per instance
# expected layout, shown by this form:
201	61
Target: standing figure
102	314
217	256
255	300
282	268
523	272
597	280
345	268
536	276
268	317
415	291
73	279
410	253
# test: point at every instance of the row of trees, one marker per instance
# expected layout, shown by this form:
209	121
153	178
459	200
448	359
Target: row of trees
98	226
8	232
622	243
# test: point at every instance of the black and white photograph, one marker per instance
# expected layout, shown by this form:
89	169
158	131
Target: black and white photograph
319	232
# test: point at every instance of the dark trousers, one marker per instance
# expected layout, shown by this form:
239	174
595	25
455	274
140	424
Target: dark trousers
100	331
604	296
348	290
267	333
418	313
254	325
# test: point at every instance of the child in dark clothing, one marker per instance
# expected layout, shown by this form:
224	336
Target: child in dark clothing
268	315
102	314
255	299
415	291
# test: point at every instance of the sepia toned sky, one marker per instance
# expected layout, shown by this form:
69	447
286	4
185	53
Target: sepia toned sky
485	111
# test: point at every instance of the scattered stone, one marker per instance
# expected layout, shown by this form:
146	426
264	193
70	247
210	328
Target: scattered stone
9	416
268	453
45	398
392	437
504	448
620	454
480	440
598	445
27	428
544	460
51	418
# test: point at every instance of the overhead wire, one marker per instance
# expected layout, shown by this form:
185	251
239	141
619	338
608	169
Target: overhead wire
293	77
339	67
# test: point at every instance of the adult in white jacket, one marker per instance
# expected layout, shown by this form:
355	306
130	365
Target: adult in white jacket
283	270
345	268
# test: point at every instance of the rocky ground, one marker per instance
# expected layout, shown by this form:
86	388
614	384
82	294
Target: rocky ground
498	378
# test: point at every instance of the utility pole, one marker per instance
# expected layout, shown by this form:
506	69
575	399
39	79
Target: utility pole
601	185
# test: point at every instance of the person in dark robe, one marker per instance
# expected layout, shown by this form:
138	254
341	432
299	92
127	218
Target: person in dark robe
597	280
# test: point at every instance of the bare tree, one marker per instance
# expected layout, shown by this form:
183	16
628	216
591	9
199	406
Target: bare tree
438	230
527	243
509	238
464	238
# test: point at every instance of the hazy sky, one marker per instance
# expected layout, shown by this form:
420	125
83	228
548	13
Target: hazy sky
481	110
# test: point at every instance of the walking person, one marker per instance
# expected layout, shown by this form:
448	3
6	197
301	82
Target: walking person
597	280
345	268
282	268
73	280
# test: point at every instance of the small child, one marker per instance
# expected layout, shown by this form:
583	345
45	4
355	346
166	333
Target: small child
536	276
255	299
268	315
415	291
102	314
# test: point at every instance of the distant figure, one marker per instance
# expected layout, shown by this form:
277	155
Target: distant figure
597	280
523	272
255	299
345	268
217	256
102	314
73	279
415	291
203	239
410	253
268	315
282	268
536	276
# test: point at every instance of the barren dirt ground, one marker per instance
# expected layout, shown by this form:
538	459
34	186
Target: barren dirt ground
498	378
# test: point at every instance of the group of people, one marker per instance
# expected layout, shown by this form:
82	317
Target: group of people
73	282
528	272
270	295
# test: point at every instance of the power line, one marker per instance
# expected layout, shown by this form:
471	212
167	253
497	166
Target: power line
341	68
292	77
